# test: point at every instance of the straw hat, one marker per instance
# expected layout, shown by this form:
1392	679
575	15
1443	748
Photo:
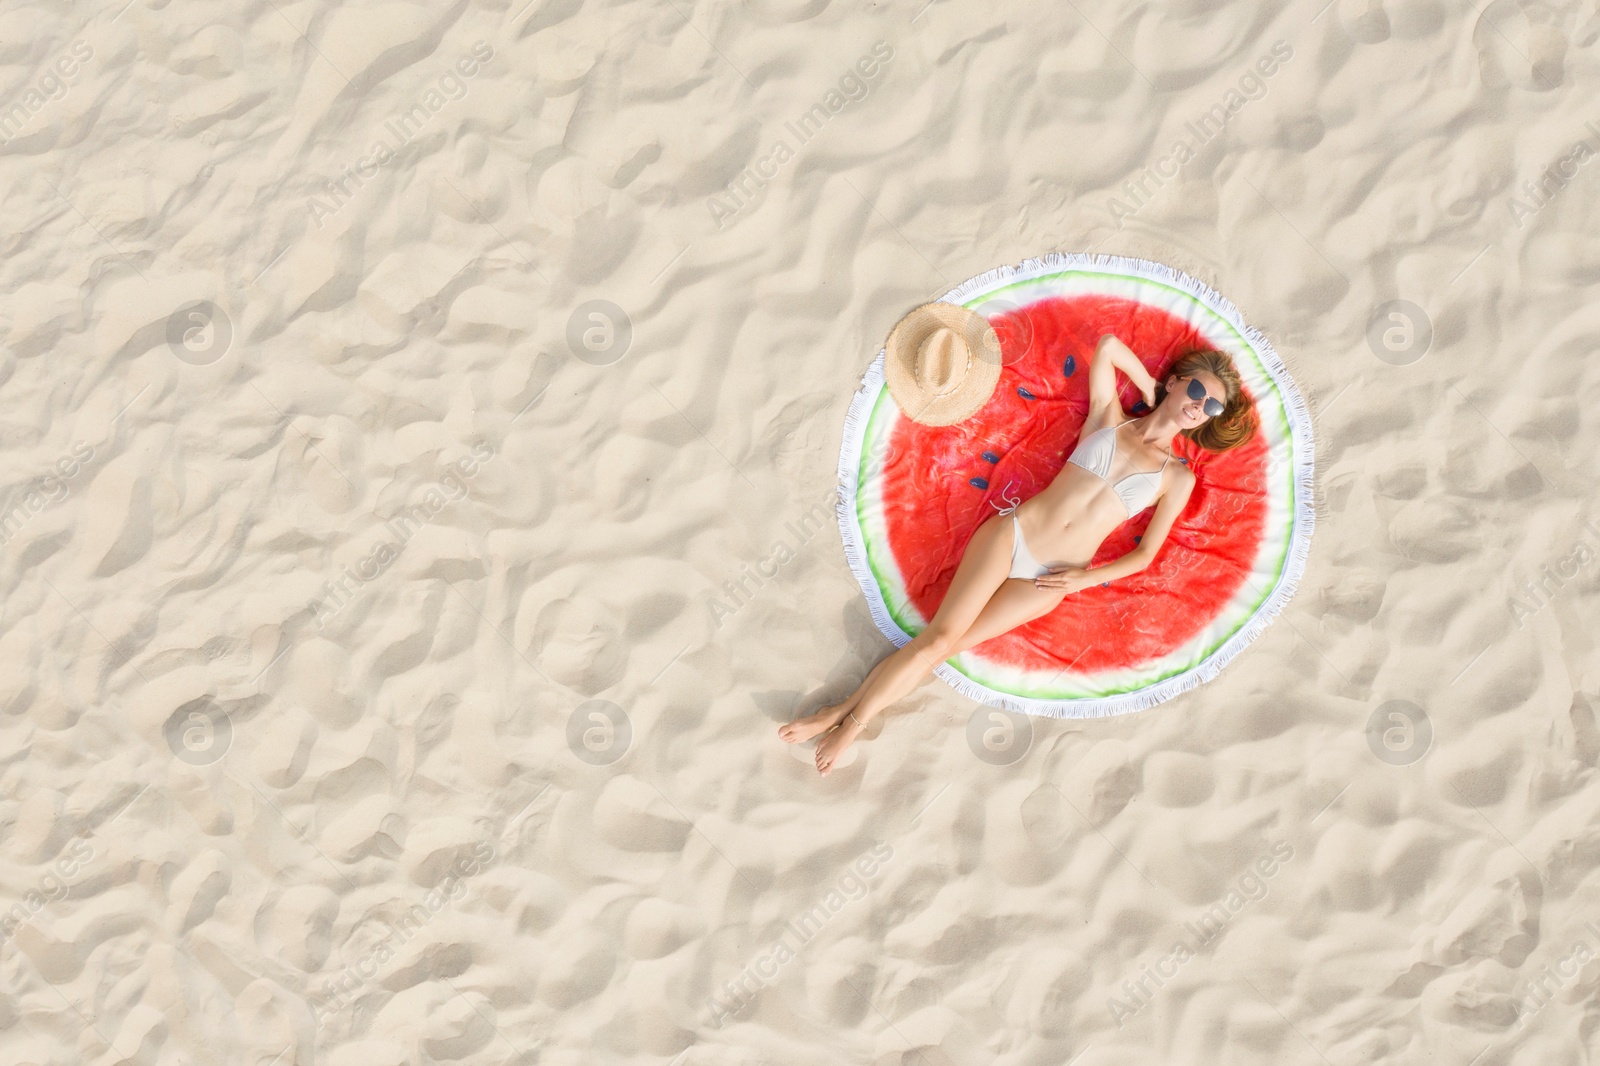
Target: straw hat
941	363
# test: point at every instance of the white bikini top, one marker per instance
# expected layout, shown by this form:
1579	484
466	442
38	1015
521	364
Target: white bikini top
1095	452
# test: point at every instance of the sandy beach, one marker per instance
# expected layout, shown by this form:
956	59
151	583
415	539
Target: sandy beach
417	515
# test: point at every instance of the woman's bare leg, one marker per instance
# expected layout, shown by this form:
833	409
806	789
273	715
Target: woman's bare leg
983	568
825	718
1012	604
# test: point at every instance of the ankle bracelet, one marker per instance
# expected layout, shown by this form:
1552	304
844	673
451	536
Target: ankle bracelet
852	716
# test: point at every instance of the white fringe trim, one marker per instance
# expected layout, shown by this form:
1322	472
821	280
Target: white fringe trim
855	425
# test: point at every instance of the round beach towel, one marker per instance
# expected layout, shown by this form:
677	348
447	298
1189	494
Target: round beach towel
911	496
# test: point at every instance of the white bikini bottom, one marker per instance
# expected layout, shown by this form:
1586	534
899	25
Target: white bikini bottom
1023	564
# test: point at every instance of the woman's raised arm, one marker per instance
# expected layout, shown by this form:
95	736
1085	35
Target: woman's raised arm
1110	356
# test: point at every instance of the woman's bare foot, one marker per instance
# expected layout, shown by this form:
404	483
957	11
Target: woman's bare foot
830	747
812	724
828	717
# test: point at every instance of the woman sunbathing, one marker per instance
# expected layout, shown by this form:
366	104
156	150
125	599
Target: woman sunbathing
1119	467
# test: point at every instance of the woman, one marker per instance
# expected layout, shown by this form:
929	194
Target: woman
1119	467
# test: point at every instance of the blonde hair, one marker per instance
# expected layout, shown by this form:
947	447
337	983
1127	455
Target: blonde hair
1237	423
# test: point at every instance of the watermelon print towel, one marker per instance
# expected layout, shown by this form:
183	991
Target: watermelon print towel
910	496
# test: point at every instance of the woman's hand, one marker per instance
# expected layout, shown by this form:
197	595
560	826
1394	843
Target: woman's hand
1149	392
1067	578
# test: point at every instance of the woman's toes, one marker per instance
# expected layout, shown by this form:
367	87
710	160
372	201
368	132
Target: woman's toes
829	750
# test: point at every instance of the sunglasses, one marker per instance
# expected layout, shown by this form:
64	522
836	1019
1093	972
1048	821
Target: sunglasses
1197	391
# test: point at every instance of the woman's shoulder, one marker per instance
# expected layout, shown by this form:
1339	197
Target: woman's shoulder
1179	469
